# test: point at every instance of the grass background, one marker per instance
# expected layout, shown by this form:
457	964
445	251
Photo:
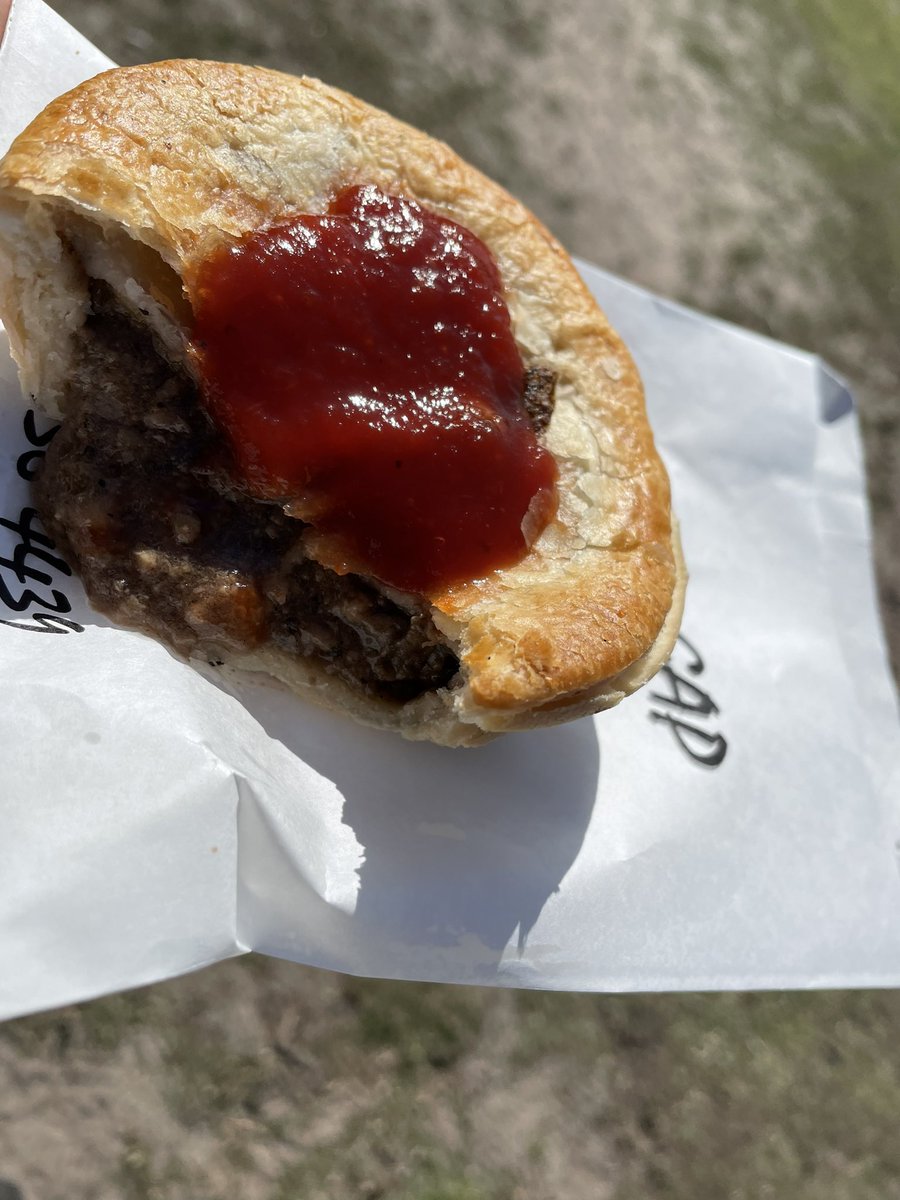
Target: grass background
744	157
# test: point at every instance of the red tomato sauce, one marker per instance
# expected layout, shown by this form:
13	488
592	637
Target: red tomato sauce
362	367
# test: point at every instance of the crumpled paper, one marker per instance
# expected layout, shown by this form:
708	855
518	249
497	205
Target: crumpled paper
733	825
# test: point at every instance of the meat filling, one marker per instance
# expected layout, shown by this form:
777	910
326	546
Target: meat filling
136	491
539	396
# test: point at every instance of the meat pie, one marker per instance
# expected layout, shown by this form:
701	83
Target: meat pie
334	406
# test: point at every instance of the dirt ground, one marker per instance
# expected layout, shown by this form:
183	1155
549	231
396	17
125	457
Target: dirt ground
742	157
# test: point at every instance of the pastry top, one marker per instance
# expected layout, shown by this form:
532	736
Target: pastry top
183	155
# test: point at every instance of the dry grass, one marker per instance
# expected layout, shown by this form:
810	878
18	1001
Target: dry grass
267	1080
743	156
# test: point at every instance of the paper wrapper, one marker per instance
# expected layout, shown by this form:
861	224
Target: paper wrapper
733	825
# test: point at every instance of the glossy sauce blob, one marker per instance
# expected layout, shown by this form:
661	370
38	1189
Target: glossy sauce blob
363	369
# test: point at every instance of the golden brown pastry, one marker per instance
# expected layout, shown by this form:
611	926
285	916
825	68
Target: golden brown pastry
111	202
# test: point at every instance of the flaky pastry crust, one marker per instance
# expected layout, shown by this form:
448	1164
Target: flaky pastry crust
163	162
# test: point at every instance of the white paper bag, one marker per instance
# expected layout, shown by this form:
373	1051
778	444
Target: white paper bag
733	825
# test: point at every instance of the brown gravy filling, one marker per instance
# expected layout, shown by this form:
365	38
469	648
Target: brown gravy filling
137	492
